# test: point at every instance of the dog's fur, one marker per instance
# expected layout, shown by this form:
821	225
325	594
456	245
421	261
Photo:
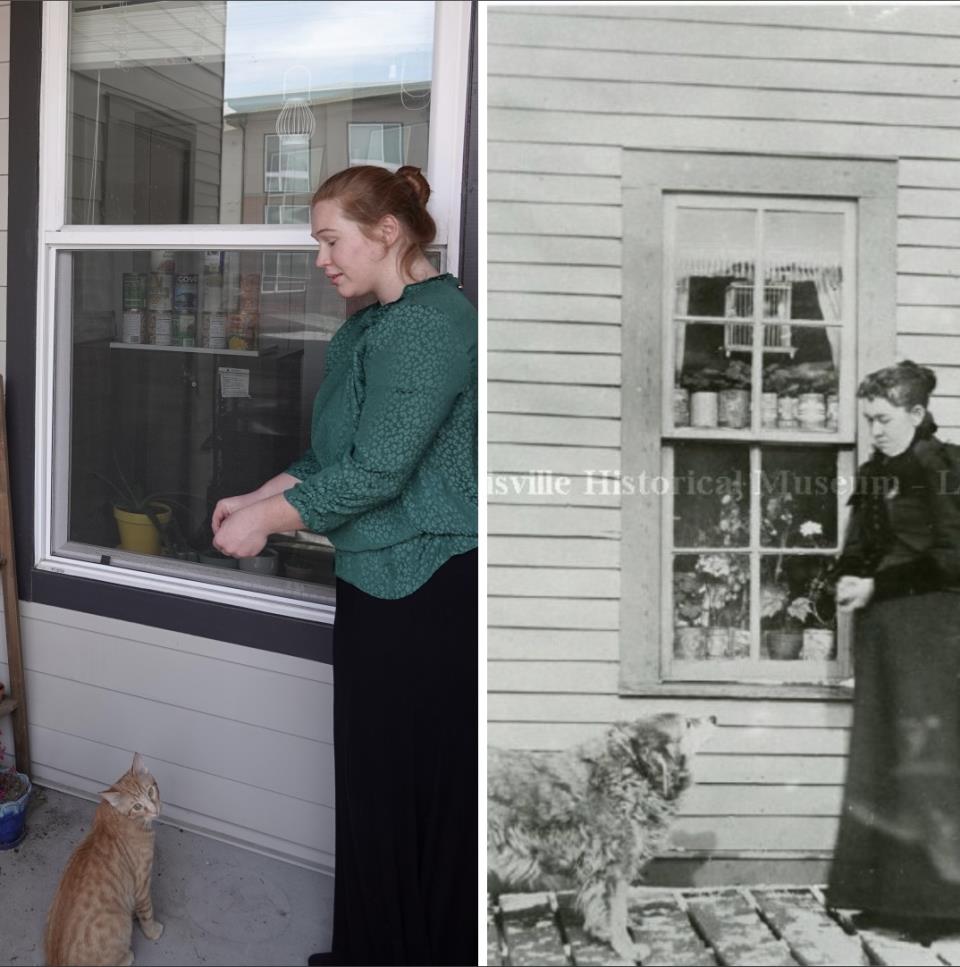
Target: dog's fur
590	818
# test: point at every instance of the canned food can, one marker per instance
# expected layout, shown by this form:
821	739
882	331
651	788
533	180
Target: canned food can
242	330
160	328
134	290
160	292
211	293
184	329
213	330
213	262
812	411
132	326
185	293
163	262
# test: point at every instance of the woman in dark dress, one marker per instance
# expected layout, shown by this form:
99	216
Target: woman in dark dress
897	856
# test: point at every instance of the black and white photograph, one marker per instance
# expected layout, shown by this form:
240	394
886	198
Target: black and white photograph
723	483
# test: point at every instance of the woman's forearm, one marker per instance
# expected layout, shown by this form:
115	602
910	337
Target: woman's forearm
276	485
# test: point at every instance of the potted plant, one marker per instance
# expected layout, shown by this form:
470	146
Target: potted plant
15	789
783	635
787	383
734	401
817	609
689	639
143	519
704	386
724	578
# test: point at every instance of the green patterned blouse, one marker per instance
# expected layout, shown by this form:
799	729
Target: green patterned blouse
391	473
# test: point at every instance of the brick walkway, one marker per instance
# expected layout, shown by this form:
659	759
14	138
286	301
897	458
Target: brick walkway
763	926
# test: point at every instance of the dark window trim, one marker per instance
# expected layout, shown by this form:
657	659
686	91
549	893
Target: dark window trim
255	629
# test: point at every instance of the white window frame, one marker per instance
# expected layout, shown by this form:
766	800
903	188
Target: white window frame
449	85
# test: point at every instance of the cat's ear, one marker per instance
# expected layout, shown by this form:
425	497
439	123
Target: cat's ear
138	768
113	797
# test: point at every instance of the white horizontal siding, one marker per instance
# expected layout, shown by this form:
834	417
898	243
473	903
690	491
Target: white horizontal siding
240	740
569	88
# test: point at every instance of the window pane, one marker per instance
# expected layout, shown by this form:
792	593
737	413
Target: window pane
711	506
198	111
714	261
803	259
192	377
711	606
797	610
798	497
801	367
712	375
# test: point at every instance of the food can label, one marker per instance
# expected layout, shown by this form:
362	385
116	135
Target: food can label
132	326
213	330
185	293
134	290
163	262
185	329
161	326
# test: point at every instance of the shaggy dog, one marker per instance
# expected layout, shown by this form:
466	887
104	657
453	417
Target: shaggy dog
590	818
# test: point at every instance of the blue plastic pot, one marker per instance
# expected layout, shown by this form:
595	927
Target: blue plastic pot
13	817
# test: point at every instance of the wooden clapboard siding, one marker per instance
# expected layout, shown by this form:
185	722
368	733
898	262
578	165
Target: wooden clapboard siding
569	89
240	740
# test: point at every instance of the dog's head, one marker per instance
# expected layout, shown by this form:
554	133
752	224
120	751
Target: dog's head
661	748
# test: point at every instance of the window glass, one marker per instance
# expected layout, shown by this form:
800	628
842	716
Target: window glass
192	377
210	112
756	361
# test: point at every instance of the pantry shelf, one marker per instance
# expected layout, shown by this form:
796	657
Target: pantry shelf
199	350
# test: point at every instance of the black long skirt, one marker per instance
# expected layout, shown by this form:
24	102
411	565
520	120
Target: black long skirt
405	744
898	848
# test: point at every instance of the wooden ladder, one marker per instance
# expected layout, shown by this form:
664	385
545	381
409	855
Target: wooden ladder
16	704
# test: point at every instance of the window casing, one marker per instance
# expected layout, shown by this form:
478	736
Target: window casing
278	248
721	560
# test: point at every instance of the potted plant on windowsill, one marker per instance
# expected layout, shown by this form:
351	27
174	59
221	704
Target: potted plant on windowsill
734	402
704	386
143	519
689	638
15	789
724	578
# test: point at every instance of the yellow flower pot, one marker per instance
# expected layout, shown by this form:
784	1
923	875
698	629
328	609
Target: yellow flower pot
137	531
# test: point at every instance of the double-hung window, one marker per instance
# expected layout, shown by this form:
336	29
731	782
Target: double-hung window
746	330
182	325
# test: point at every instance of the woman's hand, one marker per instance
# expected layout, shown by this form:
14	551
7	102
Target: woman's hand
228	506
240	533
853	592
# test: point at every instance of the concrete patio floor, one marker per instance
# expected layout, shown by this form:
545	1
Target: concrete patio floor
220	904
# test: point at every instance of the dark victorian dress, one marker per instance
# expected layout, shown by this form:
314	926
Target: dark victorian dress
898	847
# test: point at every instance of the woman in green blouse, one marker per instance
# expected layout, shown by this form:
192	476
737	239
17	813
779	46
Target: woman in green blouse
391	478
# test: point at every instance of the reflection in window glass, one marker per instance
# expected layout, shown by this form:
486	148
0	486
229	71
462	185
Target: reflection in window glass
201	111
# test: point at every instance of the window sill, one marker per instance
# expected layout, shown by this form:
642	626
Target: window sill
772	690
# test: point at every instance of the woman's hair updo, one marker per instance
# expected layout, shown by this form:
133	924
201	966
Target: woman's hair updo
905	384
367	193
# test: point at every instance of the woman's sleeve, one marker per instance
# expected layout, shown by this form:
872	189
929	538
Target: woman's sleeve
305	467
851	560
415	367
939	566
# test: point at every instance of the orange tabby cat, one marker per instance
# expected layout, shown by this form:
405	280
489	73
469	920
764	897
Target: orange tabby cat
107	880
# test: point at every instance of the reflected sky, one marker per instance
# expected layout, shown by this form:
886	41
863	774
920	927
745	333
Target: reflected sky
325	45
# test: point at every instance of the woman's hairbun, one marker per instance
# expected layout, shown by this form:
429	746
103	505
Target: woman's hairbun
903	384
414	178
